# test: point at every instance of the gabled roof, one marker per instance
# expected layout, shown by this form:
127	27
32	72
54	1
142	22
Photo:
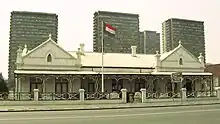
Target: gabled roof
90	59
117	60
164	56
42	44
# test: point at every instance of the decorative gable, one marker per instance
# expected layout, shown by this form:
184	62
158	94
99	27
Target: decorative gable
180	59
48	55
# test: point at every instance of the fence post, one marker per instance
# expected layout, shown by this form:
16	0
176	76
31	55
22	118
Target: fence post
124	95
183	94
218	92
143	95
81	95
11	95
36	94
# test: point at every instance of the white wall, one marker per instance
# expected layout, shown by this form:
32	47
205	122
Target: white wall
38	58
190	63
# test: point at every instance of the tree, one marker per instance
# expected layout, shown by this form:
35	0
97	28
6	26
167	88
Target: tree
3	86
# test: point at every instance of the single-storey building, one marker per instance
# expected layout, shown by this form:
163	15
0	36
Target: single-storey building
52	69
215	70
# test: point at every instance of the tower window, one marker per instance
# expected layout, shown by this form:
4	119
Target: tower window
181	61
49	58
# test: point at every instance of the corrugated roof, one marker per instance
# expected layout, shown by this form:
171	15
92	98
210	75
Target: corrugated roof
117	60
215	69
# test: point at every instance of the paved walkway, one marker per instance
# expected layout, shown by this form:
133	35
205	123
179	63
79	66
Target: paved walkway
54	107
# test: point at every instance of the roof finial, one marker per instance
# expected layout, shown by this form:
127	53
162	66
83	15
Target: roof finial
50	35
180	42
200	54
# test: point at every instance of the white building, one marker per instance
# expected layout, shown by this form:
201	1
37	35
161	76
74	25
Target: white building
50	68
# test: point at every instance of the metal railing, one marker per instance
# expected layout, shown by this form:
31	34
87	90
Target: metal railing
47	96
160	95
100	95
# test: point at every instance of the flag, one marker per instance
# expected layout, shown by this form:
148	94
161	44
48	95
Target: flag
109	28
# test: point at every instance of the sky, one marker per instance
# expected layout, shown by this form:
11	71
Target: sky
76	19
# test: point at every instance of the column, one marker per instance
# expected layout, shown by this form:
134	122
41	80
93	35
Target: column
70	84
81	95
19	85
150	85
130	85
16	85
212	85
97	84
124	95
44	85
143	95
183	94
36	94
218	92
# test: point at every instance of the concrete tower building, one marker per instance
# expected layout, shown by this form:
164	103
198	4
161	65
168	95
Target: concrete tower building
30	28
127	33
190	32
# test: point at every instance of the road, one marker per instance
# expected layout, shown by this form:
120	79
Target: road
172	115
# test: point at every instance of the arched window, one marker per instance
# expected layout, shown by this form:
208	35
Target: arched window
181	61
49	58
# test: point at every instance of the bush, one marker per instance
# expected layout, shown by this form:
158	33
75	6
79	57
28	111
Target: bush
3	86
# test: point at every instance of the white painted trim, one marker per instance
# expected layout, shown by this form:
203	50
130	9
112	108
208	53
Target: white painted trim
184	73
93	72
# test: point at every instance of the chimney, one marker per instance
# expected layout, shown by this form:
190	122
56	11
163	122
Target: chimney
82	47
157	59
78	60
19	59
133	51
202	60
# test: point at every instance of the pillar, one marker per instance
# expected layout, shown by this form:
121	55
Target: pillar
11	95
218	92
36	94
81	95
97	85
19	85
143	95
183	94
16	87
124	95
70	85
44	85
150	84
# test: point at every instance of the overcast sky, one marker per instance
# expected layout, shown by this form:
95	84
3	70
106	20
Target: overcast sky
76	16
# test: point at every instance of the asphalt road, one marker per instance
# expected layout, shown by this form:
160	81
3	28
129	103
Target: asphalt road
172	115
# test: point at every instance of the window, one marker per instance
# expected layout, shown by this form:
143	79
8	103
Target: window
91	86
61	85
36	83
180	61
140	83
117	85
49	58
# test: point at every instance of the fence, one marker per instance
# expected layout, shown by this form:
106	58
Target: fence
48	96
123	96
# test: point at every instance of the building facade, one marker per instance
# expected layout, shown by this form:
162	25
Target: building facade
30	28
149	42
215	70
51	69
190	32
127	33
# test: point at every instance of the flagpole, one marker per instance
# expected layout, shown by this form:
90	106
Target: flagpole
102	56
